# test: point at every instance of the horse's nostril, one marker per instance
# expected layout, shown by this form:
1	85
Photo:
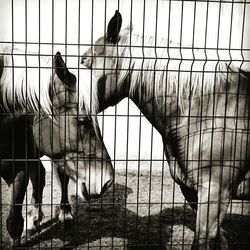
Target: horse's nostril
85	192
105	187
83	60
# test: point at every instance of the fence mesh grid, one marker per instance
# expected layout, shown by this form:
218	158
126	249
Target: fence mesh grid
170	92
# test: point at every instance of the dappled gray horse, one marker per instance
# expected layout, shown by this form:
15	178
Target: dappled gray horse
44	111
200	108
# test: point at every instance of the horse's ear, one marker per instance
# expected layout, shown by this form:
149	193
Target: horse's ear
60	66
114	28
62	71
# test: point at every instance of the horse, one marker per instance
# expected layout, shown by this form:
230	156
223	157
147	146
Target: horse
199	106
44	112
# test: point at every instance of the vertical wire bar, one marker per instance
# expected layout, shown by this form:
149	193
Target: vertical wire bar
39	163
242	55
238	91
201	99
118	7
140	123
128	122
222	149
177	114
65	99
79	108
115	145
189	108
52	115
226	104
247	113
103	117
213	116
115	140
91	111
154	117
13	96
222	146
231	60
92	44
165	150
227	79
192	76
162	159
103	121
26	104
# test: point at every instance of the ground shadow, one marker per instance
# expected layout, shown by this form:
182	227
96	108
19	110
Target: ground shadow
104	219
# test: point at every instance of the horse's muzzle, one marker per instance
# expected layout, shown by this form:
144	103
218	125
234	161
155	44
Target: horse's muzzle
92	174
89	196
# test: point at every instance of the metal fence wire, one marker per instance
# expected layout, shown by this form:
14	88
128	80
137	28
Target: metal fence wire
124	124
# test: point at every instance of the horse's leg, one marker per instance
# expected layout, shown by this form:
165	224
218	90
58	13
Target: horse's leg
35	213
17	182
213	200
175	171
65	208
190	195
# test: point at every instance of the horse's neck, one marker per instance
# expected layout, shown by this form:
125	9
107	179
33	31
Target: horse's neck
168	113
158	110
110	92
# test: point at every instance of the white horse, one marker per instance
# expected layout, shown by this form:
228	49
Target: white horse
45	111
200	107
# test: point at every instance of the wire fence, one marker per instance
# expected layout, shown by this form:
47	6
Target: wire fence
173	122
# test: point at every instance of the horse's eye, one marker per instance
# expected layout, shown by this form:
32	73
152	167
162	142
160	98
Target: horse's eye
85	120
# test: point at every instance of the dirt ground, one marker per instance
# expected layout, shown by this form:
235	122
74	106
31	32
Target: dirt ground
138	212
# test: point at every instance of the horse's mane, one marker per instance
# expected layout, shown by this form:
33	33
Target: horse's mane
26	82
164	68
86	90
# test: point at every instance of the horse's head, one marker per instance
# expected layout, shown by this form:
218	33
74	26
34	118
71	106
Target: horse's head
104	53
71	137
